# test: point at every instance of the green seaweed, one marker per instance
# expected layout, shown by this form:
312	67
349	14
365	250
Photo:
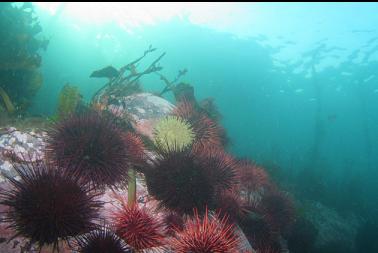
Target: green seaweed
8	103
68	102
131	189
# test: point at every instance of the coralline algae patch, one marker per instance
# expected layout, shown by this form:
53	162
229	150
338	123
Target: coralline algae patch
19	146
24	143
22	146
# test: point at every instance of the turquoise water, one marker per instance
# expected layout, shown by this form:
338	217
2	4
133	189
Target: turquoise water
296	83
261	63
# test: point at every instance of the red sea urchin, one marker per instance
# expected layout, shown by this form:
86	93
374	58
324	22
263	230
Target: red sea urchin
46	205
207	235
91	147
102	240
138	228
183	180
252	177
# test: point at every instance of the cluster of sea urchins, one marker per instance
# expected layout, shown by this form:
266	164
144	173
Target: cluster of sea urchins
268	212
47	205
203	175
91	146
57	199
188	174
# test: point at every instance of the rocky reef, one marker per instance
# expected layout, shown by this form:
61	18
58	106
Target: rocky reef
145	110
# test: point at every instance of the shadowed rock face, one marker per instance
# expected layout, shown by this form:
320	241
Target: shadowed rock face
366	239
334	230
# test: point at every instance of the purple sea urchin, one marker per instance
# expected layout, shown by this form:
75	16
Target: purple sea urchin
183	180
46	205
102	240
91	147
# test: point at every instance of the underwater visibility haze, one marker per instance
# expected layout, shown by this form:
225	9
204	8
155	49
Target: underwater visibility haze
189	127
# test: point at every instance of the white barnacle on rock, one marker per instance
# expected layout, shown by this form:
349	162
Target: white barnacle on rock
6	166
19	149
21	137
141	110
12	141
2	141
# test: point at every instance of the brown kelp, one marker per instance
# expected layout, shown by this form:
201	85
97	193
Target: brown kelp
68	102
20	58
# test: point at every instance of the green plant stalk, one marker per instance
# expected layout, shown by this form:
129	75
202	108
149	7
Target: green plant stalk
8	103
131	189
